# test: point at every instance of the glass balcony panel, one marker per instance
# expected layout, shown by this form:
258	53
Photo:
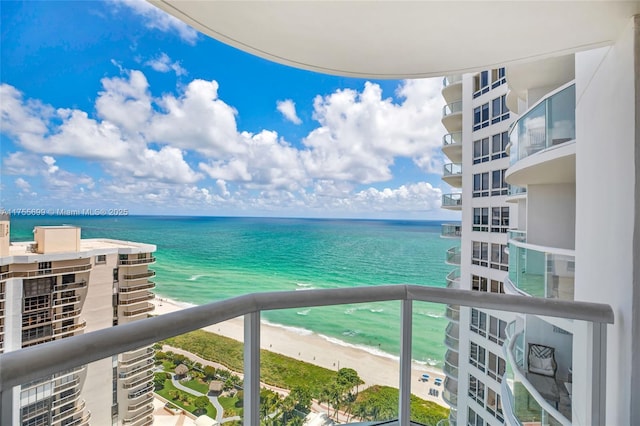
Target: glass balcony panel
451	230
452	201
550	123
453	256
452	138
452	108
452	169
531	397
541	273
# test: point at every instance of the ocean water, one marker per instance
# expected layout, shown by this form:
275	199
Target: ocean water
205	259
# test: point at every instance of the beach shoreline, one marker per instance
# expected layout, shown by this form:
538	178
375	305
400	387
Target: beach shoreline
304	345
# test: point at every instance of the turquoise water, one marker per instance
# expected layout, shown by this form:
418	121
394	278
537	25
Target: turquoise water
204	259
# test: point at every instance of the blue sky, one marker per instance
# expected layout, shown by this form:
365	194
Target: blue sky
118	105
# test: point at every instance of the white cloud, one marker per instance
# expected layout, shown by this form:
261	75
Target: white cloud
288	109
163	63
157	19
23	185
361	134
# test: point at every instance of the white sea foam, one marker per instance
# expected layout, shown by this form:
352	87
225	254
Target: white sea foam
194	277
303	284
304	312
297	330
369	349
376	310
432	315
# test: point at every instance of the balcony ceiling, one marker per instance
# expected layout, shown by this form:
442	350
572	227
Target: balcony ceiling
405	39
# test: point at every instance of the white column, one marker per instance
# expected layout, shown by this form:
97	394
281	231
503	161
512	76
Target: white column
404	408
252	369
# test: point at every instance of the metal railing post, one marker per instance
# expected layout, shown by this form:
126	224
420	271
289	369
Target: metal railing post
252	369
404	403
598	373
6	406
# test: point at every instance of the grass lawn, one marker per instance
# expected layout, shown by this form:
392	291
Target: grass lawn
188	406
229	405
197	385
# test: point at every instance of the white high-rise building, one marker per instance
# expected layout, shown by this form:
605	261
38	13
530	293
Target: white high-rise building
477	120
60	286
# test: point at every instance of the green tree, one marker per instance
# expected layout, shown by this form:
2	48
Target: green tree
302	396
158	381
201	404
209	372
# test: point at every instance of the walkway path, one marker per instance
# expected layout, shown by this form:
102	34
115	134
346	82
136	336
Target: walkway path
213	399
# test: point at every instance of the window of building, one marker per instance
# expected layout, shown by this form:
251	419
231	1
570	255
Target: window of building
476	390
477	356
481	219
496	287
499	257
499	110
499	185
37	287
474	419
44	267
498	77
478	322
500	219
481	117
479	283
499	144
481	151
497	330
495	367
494	404
123	257
101	258
481	185
115	275
480	253
481	83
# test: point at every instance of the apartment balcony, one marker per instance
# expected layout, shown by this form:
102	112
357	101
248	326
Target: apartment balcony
451	336
452	117
140	276
450	370
137	310
129	288
72	397
66	301
148	398
453	256
531	397
540	271
133	298
25	366
137	370
137	381
452	174
69	330
73	411
46	272
80	285
452	313
450	392
451	230
142	392
61	316
452	201
452	88
132	358
453	279
139	418
516	193
451	358
134	262
452	146
542	141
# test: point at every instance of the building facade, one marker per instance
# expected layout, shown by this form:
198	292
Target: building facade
60	286
532	152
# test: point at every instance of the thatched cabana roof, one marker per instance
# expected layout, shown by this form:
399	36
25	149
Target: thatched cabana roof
181	370
215	386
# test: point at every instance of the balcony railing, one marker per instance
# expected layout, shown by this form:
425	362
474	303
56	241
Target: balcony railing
451	336
552	121
525	402
450	392
451	79
139	287
541	271
142	298
452	169
452	201
453	279
517	235
131	262
452	139
127	362
452	108
517	190
453	256
452	313
139	311
148	274
28	364
45	272
71	286
451	230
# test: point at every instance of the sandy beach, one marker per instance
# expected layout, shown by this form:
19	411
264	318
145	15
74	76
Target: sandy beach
315	349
